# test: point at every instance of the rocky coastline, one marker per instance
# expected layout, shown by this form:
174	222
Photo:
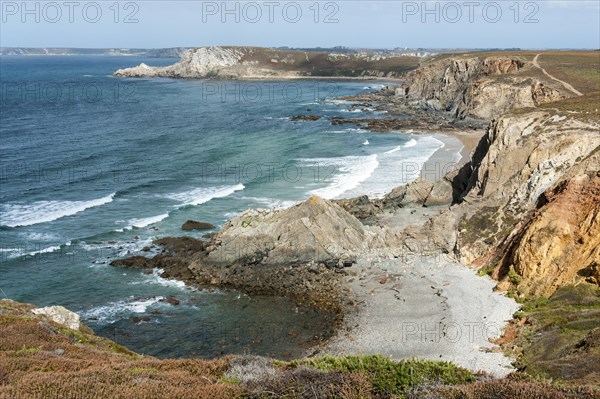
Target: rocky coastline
538	152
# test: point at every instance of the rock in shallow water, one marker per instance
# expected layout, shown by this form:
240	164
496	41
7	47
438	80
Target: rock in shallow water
194	225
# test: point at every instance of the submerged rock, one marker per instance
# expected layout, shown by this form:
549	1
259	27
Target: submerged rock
307	118
194	225
135	262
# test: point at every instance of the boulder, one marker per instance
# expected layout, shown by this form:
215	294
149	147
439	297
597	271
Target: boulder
135	262
194	225
441	193
60	315
394	198
307	118
416	193
171	300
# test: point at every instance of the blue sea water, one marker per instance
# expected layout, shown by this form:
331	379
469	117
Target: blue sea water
95	167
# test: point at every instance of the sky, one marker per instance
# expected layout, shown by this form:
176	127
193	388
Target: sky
273	23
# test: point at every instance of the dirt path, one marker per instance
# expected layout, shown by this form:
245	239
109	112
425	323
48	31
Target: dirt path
565	84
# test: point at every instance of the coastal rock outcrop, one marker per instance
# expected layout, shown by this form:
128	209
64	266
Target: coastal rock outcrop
475	88
560	243
314	230
230	62
194	63
60	315
195	225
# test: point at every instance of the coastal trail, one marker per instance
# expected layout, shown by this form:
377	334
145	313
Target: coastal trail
565	84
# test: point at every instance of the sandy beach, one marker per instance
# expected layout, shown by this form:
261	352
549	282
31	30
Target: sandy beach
423	303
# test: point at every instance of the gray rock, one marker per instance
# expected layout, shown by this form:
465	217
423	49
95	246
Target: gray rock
59	315
360	207
441	193
315	230
417	193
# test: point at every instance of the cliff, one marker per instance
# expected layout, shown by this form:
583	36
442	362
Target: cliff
531	204
256	63
476	87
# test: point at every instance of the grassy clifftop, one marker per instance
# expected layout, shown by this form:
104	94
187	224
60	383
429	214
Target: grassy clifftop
40	358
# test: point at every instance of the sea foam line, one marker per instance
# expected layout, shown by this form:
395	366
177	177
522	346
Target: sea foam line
202	195
114	311
352	170
15	215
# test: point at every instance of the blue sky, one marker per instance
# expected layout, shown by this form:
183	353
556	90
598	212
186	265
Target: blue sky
413	24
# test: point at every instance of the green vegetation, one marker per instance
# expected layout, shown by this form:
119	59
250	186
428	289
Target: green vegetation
387	376
486	271
481	225
560	340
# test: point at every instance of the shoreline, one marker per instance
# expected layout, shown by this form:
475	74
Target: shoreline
409	304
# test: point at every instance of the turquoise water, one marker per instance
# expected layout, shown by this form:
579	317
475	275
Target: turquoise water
95	167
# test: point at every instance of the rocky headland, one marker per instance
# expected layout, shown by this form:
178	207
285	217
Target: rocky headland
229	62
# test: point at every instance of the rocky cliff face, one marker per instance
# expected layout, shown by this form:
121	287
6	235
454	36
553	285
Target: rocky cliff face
475	88
194	63
530	210
560	243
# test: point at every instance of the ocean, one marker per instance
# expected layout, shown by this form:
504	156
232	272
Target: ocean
94	168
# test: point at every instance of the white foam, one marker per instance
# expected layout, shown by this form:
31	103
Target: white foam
114	311
13	253
338	102
366	142
349	172
411	143
144	222
46	250
397	167
119	249
393	150
350	129
155	278
14	215
199	196
33	236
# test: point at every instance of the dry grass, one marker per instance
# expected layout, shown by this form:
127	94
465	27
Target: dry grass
41	359
505	389
579	68
313	63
